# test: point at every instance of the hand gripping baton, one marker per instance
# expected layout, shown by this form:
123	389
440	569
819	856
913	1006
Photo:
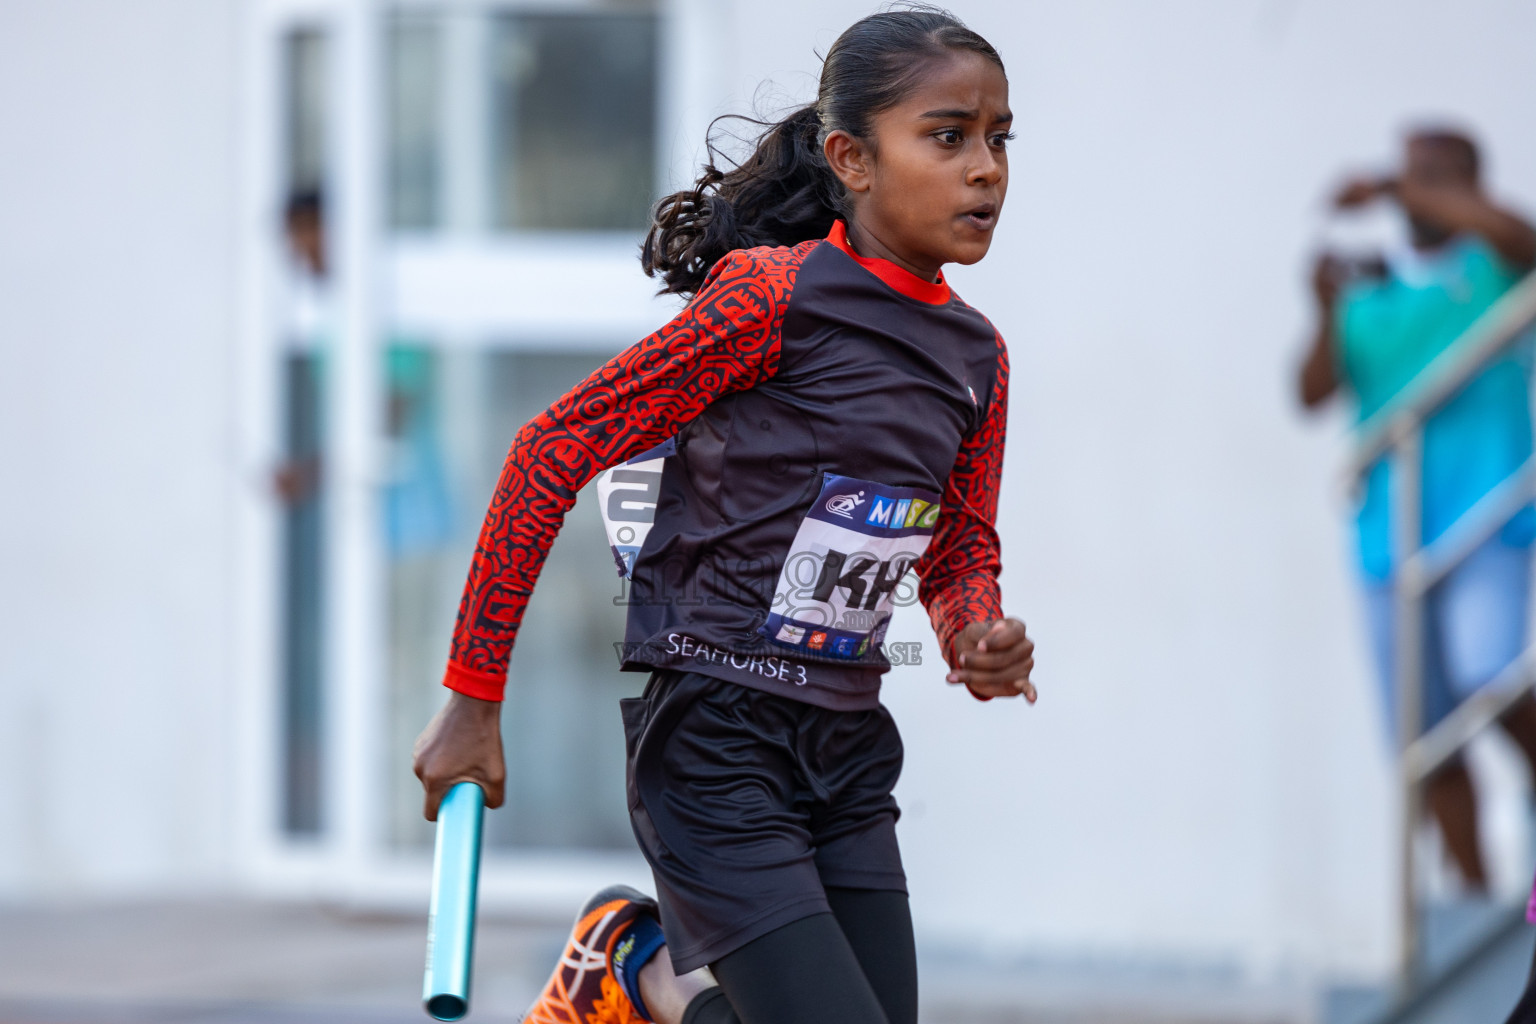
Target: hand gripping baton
455	881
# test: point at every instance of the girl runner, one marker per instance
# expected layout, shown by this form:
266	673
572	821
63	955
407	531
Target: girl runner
831	415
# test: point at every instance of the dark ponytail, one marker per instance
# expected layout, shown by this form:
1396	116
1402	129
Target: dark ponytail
784	193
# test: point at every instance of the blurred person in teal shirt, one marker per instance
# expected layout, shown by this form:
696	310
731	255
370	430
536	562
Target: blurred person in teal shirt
1380	322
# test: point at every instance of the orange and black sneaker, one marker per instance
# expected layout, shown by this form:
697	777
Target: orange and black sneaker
583	989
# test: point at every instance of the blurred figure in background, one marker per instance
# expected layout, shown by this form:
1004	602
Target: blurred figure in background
416	506
297	484
1380	321
297	479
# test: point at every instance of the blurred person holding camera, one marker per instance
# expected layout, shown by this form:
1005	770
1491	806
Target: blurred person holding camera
1381	320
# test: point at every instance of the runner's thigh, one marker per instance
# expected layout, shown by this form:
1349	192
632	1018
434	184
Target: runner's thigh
878	925
805	972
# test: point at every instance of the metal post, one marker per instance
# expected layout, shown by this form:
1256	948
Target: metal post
1407	518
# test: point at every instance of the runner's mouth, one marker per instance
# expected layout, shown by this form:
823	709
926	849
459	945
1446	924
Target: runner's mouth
983	217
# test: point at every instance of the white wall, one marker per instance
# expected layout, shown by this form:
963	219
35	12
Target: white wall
1206	774
117	286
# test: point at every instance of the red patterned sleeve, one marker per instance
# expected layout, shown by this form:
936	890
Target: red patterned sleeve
727	339
958	572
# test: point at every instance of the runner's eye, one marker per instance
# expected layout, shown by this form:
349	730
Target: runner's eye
949	136
1002	139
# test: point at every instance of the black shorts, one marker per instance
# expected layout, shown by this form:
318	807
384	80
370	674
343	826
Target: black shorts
747	805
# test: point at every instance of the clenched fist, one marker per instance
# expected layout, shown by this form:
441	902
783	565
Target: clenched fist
994	659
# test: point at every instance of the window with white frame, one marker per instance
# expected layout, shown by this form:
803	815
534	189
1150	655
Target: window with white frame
504	127
522	120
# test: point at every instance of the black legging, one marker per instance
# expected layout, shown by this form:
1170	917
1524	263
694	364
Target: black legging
856	965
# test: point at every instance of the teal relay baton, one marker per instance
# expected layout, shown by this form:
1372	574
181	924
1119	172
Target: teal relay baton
455	883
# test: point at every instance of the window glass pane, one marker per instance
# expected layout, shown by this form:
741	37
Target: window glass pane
415	78
302	596
298	478
452	414
575	113
306	70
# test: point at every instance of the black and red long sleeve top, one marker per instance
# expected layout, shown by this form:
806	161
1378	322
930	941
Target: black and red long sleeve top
800	385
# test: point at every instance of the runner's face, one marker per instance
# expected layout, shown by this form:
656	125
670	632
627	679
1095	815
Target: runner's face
935	178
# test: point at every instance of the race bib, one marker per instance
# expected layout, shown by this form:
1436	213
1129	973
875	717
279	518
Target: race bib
838	584
628	494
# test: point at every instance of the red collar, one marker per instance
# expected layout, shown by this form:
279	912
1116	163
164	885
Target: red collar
935	293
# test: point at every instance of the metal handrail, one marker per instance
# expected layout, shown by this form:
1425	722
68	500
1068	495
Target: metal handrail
1435	560
1489	337
1397	431
1429	752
